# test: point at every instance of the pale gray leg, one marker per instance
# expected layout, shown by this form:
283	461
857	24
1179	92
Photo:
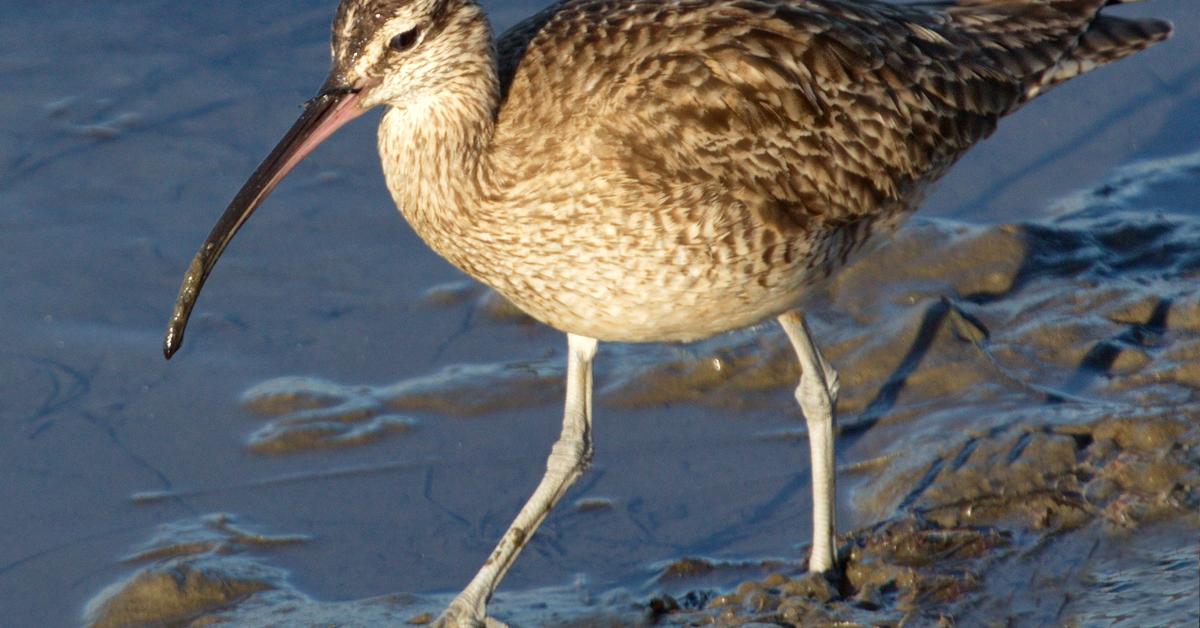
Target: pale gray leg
568	459
817	395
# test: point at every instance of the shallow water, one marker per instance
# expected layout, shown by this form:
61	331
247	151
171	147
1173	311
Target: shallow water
131	125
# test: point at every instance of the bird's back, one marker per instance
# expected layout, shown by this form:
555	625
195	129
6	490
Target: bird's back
891	92
723	154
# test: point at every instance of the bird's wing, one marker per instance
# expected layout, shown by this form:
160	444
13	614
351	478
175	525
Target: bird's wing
809	114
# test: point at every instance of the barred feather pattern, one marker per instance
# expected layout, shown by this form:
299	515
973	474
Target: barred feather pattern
646	170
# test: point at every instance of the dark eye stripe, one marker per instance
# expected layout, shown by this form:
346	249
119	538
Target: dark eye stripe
404	40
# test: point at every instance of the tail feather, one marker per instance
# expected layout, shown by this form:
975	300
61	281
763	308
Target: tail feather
1106	39
1045	42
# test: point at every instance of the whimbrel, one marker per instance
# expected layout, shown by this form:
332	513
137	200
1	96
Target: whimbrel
643	170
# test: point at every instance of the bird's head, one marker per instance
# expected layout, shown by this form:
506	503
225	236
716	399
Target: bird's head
398	52
402	53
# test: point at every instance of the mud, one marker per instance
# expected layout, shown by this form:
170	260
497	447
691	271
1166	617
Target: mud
1020	435
982	538
345	391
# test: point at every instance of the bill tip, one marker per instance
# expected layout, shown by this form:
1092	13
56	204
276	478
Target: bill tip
170	344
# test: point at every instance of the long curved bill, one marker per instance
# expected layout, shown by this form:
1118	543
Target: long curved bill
332	108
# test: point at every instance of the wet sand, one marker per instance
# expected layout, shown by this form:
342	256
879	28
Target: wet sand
1020	442
351	425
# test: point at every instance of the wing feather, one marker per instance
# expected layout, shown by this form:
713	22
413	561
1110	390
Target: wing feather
810	115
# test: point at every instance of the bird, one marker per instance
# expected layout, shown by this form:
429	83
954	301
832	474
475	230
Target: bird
668	170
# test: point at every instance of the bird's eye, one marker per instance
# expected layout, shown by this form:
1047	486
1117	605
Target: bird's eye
404	40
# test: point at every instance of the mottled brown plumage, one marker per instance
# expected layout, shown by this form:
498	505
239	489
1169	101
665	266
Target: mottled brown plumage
671	170
644	170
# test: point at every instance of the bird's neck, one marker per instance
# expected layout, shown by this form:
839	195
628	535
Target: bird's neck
434	145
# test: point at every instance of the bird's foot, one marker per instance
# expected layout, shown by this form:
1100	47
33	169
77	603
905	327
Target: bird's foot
821	562
463	613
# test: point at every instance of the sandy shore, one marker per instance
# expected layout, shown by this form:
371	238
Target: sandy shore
1019	436
352	424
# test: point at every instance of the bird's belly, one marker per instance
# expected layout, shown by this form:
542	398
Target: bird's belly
650	292
646	285
643	300
639	320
